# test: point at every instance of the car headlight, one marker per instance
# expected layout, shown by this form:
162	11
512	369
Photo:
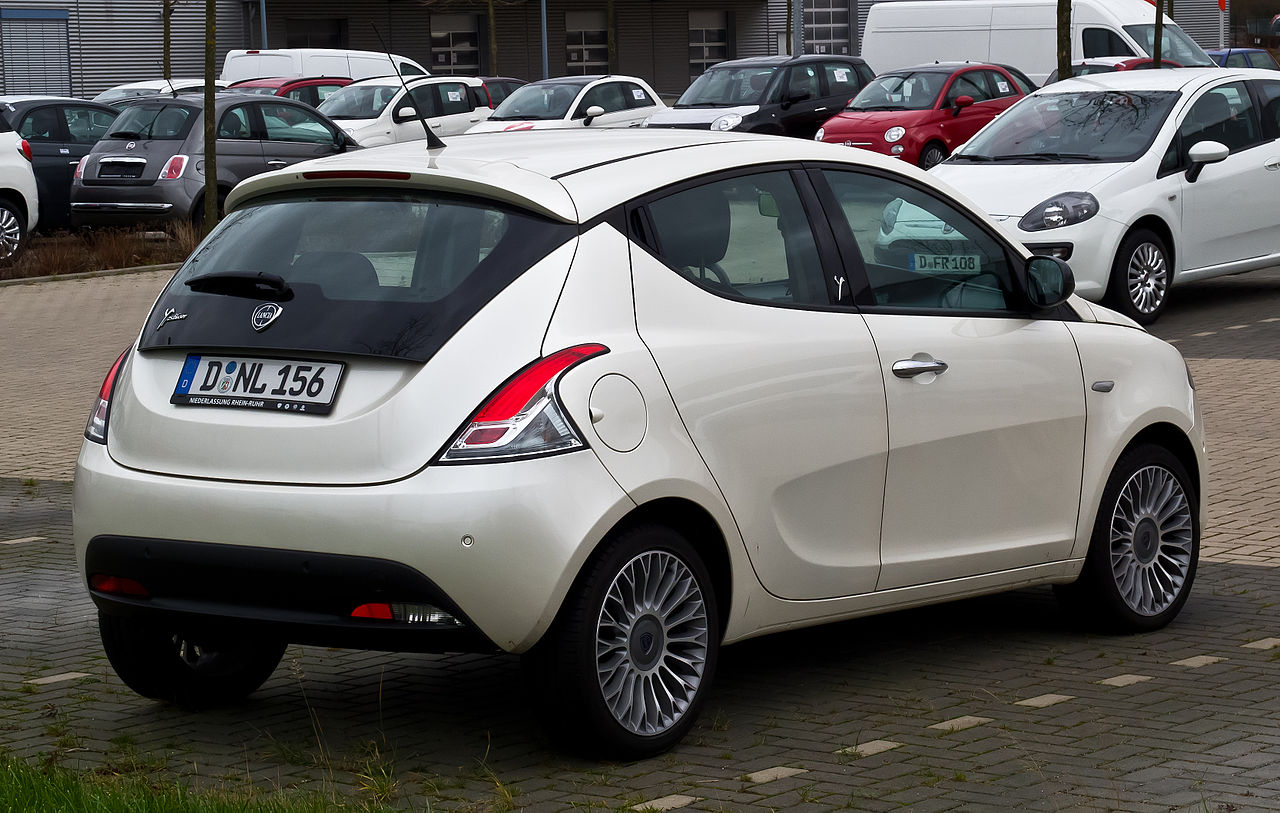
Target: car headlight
894	133
818	135
1066	209
726	122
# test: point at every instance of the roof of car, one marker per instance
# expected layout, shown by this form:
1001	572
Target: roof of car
572	176
784	59
1221	51
1163	79
161	84
944	67
19	99
416	79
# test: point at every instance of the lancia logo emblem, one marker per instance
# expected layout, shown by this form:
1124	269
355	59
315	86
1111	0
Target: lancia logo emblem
131	145
264	315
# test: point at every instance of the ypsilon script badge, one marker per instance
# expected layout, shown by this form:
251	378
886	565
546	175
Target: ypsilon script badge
264	315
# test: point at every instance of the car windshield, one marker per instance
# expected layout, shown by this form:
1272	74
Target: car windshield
1106	125
371	274
900	91
168	122
1174	44
728	87
537	102
358	101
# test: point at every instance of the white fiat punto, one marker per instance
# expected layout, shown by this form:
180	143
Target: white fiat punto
613	400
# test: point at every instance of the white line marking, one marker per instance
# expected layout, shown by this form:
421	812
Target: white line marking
23	539
57	678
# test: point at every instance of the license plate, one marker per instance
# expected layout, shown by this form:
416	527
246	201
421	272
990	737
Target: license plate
242	382
935	263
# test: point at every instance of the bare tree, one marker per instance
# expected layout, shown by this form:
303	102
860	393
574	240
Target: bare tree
210	131
1064	38
166	13
789	32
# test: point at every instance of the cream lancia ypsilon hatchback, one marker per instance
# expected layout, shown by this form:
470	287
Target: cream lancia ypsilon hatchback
613	400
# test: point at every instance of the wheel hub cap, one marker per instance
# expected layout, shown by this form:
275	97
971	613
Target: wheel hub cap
651	643
1148	278
10	234
1151	540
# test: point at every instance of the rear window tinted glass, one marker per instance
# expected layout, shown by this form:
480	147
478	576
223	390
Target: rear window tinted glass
168	122
375	275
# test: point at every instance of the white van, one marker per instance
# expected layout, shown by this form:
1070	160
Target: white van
1022	33
285	62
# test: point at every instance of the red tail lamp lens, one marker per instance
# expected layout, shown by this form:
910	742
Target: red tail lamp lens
118	586
96	429
174	169
25	149
378	612
515	396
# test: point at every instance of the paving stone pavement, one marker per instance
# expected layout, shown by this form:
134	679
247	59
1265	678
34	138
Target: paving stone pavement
988	704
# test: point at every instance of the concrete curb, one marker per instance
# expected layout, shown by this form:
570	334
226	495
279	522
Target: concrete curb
109	272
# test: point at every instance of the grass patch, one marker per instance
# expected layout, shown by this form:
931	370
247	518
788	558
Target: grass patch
74	252
56	790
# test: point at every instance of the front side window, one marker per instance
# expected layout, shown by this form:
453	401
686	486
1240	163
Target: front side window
1104	42
1224	114
608	97
745	237
842	79
803	83
919	251
375	274
287	122
1073	127
967	84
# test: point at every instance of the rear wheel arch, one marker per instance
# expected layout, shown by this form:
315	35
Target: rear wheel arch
16	199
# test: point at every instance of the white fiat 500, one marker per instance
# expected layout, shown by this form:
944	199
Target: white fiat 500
574	101
1142	179
612	401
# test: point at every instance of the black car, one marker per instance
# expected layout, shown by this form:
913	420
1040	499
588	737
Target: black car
783	95
60	131
150	164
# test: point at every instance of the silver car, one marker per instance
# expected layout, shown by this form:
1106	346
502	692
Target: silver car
150	164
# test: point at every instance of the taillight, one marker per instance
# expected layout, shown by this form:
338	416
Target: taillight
524	418
173	170
79	173
96	429
25	149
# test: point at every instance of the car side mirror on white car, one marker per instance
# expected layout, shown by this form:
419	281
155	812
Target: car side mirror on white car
593	112
1048	282
404	114
1202	154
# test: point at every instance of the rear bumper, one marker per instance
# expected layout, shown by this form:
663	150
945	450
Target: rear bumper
117	205
496	546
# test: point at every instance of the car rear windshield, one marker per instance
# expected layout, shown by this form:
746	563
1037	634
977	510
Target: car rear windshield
1108	125
164	122
727	87
390	275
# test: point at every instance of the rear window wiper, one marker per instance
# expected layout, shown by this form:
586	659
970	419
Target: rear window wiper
252	284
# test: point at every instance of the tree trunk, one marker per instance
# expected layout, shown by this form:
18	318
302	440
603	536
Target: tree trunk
610	27
789	32
1064	39
166	13
210	128
1157	48
493	42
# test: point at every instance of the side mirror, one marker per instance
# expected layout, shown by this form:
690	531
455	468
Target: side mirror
961	103
595	111
404	114
1202	154
1048	282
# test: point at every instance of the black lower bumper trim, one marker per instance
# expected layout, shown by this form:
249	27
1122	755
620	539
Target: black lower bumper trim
295	596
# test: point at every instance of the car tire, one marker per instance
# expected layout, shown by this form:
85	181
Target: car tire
614	633
932	155
164	664
197	212
13	231
1145	546
1141	277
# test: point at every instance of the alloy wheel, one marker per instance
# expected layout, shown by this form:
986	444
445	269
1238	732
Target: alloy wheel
1151	540
10	233
651	642
1148	278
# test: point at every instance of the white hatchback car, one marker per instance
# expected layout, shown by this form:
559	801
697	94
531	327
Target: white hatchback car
121	94
574	101
19	197
1142	179
613	400
388	110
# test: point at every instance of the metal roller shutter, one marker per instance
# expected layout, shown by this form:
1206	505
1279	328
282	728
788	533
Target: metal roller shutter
36	51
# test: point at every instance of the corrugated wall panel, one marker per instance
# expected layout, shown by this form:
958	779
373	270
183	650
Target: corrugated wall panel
1200	19
408	31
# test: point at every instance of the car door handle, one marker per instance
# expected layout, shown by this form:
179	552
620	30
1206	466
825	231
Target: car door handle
436	124
819	109
277	163
910	368
76	163
1272	164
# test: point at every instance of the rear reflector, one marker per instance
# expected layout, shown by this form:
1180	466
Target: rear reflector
379	612
117	586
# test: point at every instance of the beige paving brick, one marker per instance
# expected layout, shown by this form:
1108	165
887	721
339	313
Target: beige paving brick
960	723
1125	680
871	748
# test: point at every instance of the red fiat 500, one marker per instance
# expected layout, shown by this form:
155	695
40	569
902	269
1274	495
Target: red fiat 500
922	114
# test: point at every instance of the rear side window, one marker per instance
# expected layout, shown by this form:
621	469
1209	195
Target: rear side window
376	275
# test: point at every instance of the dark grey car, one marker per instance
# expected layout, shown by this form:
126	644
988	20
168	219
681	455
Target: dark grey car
150	164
